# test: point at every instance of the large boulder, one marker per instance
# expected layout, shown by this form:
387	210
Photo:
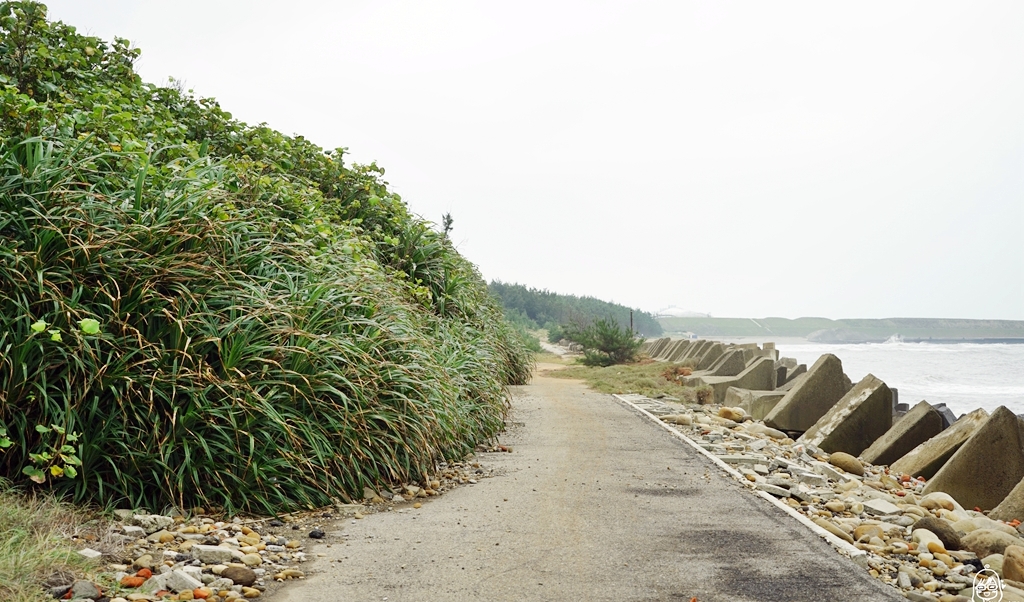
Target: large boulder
755	403
943	529
917	426
927	458
1012	505
988	466
985	542
1013	563
855	421
815	394
759	375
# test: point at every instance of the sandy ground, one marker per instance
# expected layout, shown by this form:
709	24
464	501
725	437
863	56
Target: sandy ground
594	503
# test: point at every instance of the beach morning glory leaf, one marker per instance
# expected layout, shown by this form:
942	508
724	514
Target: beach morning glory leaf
89	326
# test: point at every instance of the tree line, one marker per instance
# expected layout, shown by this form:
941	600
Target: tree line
536	308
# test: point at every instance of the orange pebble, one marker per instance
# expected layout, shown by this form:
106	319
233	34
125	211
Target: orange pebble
129	581
201	593
144	573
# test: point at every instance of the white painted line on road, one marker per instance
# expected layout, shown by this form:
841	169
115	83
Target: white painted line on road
858	556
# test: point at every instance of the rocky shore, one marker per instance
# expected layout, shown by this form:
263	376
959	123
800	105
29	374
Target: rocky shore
925	502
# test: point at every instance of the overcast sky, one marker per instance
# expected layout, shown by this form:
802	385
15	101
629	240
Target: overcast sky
745	159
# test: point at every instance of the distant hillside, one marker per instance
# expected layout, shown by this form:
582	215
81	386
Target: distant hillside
825	330
537	308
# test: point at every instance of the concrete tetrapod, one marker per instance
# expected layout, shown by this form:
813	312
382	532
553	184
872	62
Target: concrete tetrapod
808	400
755	403
730	364
927	458
760	375
988	466
863	415
920	424
712	353
1012	506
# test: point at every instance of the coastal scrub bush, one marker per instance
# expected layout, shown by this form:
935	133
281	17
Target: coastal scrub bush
604	342
220	315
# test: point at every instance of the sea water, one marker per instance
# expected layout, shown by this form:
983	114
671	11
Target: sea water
964	376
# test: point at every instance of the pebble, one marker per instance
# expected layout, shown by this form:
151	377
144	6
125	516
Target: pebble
847	462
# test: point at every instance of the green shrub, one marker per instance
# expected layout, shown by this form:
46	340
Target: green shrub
222	315
604	342
555	332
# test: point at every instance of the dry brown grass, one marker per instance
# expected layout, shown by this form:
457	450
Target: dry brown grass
645	377
39	539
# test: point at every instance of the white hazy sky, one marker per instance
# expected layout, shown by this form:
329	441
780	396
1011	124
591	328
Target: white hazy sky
739	158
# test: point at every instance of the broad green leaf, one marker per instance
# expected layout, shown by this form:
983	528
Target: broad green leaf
70	472
34	474
89	326
42	428
38	326
55	335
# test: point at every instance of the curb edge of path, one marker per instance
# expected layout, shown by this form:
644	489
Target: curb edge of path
844	547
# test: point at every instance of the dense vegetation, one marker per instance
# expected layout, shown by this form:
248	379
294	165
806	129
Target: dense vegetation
543	309
854	330
194	311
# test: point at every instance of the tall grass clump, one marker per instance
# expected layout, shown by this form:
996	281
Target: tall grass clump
198	312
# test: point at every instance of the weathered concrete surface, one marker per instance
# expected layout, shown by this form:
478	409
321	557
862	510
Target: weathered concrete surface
656	348
695	349
1012	506
926	459
815	394
988	466
679	350
595	504
755	403
919	425
712	353
759	376
856	420
792	373
730	364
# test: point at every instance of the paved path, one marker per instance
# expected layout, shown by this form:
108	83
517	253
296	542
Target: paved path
596	503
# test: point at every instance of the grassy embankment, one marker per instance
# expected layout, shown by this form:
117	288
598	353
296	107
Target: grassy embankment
198	312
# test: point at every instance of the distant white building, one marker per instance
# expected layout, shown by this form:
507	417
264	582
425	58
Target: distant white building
673	311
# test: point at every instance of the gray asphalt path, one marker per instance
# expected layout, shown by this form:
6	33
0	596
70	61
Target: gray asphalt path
595	503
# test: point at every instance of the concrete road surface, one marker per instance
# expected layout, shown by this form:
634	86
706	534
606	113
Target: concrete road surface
595	503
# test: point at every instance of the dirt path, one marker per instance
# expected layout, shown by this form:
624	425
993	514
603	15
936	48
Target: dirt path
595	503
